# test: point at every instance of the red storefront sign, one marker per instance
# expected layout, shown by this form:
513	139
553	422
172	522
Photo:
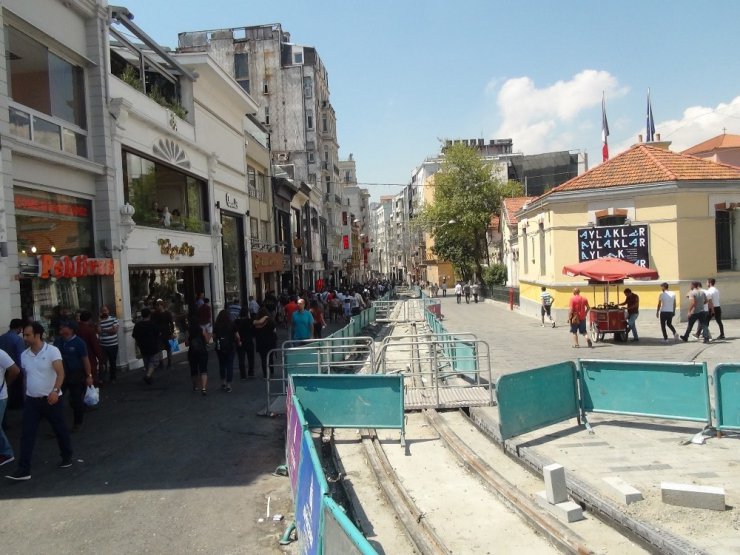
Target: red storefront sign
73	266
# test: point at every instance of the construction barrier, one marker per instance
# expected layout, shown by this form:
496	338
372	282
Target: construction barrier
674	390
727	396
537	398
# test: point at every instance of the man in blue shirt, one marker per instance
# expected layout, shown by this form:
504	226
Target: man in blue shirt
77	369
302	323
12	343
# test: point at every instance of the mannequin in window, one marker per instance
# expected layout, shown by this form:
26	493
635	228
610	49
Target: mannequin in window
166	217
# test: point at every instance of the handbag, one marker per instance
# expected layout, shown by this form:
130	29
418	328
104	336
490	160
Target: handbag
174	345
92	396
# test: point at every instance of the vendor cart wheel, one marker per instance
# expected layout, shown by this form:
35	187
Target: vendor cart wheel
621	336
593	332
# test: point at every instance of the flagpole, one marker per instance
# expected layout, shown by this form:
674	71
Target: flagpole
604	130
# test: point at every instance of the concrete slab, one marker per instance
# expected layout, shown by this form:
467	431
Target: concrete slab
568	511
554	475
690	495
623	491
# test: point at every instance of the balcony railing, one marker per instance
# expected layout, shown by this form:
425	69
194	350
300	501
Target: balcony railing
255	193
48	131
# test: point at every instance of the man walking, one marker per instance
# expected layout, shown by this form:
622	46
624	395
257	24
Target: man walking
166	324
458	291
546	309
475	289
666	311
44	377
713	293
147	337
466	291
8	373
302	323
632	302
77	369
697	312
578	308
108	333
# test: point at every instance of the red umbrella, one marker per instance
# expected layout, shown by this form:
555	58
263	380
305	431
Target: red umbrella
609	269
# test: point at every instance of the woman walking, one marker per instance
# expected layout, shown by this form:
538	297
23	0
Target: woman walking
318	319
197	343
227	339
246	349
265	337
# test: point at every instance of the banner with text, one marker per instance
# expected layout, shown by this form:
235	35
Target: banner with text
628	242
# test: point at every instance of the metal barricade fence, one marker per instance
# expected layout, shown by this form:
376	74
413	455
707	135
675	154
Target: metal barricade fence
441	370
337	354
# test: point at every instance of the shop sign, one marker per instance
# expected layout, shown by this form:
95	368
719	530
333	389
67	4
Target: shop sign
73	266
266	262
232	202
628	242
167	248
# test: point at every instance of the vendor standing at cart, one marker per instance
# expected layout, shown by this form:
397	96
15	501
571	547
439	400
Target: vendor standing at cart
632	302
578	309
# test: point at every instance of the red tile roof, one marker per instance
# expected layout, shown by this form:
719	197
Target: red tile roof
716	143
511	206
645	164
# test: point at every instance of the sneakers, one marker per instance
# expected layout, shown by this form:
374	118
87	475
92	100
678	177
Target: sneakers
19	476
553	324
720	336
66	463
684	339
226	388
6	459
203	392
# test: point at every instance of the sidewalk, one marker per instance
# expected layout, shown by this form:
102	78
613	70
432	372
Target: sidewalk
642	451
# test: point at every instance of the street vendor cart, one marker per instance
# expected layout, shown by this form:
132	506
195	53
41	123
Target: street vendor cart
608	317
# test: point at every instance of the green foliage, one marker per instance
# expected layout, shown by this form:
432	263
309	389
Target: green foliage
130	76
465	196
494	275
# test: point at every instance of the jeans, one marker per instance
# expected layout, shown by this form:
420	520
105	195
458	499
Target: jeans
111	353
666	320
34	409
700	317
717	315
631	324
226	365
76	393
5	448
246	348
458	295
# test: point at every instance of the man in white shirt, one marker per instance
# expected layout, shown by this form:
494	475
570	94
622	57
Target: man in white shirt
42	364
666	311
8	372
716	312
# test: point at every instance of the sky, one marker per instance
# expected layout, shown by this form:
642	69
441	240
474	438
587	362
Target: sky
405	75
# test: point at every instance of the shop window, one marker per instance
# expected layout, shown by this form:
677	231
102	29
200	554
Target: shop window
611	220
254	229
723	228
164	196
48	95
232	248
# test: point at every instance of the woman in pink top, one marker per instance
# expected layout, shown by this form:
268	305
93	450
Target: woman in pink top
577	316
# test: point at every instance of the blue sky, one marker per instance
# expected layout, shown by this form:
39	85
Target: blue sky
405	74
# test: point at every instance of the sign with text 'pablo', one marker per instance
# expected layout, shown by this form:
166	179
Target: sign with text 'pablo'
628	242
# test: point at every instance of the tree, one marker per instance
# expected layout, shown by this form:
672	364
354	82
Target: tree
465	196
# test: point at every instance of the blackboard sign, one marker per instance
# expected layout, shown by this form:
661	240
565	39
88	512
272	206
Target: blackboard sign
628	242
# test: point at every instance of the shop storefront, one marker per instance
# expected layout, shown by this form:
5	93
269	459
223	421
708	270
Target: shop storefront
264	266
234	256
59	275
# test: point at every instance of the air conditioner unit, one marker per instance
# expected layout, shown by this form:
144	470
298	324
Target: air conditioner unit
282	157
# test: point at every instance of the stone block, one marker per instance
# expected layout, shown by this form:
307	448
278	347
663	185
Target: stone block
690	495
568	511
554	475
626	493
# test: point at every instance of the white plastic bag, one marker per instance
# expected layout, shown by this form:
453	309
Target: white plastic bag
92	396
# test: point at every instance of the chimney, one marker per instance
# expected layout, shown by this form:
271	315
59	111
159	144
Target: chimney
657	137
639	138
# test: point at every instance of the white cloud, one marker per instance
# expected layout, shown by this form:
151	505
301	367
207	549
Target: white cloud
696	125
539	120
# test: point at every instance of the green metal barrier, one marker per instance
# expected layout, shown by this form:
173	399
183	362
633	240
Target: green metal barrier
302	361
351	401
340	535
465	360
727	396
675	390
536	398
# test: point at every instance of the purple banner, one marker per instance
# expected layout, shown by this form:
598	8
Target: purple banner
308	503
293	444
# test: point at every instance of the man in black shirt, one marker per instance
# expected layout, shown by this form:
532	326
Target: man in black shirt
148	338
166	324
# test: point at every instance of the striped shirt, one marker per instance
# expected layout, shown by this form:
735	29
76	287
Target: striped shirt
546	298
108	339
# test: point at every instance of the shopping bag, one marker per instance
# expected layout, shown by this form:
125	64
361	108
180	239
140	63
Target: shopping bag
174	346
92	396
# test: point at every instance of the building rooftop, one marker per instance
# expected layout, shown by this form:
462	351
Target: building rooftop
719	142
511	206
645	164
